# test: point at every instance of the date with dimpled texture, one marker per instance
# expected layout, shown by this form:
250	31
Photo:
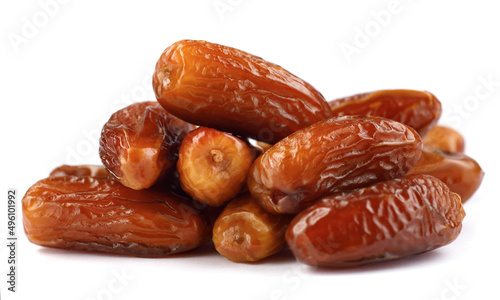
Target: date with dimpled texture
418	109
234	91
100	214
332	156
388	220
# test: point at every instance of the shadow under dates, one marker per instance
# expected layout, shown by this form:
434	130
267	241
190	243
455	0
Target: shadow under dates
429	257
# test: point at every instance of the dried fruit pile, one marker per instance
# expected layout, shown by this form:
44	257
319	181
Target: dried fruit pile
240	152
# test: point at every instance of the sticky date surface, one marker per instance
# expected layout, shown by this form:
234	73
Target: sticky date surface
332	156
100	214
139	143
388	220
230	90
418	109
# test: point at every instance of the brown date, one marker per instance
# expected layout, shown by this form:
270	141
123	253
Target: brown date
332	156
139	143
100	214
445	138
213	165
418	109
388	220
233	91
459	172
81	170
244	232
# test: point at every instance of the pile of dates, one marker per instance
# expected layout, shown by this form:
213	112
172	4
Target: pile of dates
239	152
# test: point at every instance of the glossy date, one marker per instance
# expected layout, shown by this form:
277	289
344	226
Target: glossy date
100	214
332	156
244	232
385	221
417	109
233	91
459	172
139	143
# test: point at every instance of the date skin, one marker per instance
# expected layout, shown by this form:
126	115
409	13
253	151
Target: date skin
244	232
418	109
445	138
332	156
100	214
82	171
213	165
233	91
459	172
385	221
139	143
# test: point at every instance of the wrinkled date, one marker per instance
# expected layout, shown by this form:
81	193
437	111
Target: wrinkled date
459	172
445	138
139	143
245	232
230	90
100	214
388	220
417	109
332	156
213	165
81	170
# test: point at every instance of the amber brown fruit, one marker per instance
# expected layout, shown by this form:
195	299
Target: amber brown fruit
100	214
213	165
418	109
388	220
444	138
461	173
139	143
81	170
332	156
230	90
244	232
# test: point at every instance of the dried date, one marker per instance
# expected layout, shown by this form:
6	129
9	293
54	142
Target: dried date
244	232
332	156
139	143
459	172
444	138
81	170
418	109
100	214
233	91
213	165
385	221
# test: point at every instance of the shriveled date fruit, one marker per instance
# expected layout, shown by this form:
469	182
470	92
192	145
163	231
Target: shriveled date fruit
230	90
213	165
139	143
332	156
445	138
244	232
417	109
388	220
461	173
100	214
81	170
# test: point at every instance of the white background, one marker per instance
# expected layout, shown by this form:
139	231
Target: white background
66	66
